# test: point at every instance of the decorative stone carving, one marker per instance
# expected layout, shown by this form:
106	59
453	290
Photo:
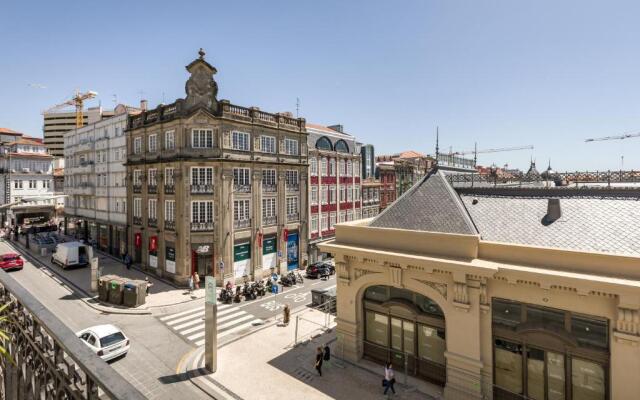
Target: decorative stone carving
438	287
359	272
201	88
628	321
461	295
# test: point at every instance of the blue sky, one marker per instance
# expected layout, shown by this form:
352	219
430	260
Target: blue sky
500	73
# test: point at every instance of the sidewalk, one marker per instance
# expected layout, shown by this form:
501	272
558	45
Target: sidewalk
161	293
280	370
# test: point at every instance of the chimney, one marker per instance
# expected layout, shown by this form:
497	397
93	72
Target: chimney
337	128
554	212
143	105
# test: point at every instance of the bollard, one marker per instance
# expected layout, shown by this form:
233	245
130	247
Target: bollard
296	339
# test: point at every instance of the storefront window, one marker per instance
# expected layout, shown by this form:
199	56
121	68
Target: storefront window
408	328
431	344
401	294
396	334
377	293
508	366
546	317
506	313
555	376
587	380
428	306
535	374
590	332
377	328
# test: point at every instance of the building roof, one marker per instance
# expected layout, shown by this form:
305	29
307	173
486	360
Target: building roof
430	205
325	129
27	141
7	131
409	154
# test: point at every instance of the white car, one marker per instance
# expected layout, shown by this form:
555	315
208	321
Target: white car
107	341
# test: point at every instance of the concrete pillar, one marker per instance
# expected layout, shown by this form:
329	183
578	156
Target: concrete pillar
281	266
303	207
256	224
224	224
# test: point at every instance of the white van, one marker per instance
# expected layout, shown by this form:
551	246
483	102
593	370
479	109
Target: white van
72	254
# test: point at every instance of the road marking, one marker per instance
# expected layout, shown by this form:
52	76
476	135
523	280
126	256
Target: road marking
198	314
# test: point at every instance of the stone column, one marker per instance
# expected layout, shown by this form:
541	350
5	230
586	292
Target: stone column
303	208
183	223
281	266
224	225
256	224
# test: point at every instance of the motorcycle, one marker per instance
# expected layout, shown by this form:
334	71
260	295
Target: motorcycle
260	288
236	297
249	292
226	296
299	278
269	286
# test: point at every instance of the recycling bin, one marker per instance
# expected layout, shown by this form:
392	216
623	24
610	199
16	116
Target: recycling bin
116	290
103	287
130	295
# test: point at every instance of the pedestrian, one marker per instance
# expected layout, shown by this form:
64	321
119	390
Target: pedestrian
389	378
127	261
190	284
196	280
326	353
319	357
286	313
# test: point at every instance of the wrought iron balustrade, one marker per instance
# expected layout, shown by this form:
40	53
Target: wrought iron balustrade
293	188
242	223
170	225
152	189
242	188
50	361
169	189
152	222
201	226
137	188
201	189
137	220
293	217
266	188
270	220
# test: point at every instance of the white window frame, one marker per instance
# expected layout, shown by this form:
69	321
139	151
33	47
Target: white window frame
153	143
332	167
201	138
313	166
291	177
291	147
332	194
240	141
170	140
202	211
349	193
314	195
153	208
201	176
137	145
169	210
268	144
242	176
241	210
168	176
323	166
292	205
269	177
324	222
314	223
269	207
137	207
137	177
324	194
153	177
332	220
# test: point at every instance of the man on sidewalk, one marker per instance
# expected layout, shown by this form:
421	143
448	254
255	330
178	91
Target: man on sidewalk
127	260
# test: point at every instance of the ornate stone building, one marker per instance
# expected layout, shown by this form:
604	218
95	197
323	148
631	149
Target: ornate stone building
216	188
497	292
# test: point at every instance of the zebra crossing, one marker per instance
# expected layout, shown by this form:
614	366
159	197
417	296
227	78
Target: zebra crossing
190	323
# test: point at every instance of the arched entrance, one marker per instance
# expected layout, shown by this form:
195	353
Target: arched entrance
406	328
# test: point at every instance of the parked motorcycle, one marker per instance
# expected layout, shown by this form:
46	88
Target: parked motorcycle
269	286
236	297
260	288
249	292
226	296
299	278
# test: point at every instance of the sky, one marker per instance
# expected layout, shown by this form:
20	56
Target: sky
497	73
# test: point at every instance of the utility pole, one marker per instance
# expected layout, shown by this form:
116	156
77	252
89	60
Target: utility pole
297	107
210	325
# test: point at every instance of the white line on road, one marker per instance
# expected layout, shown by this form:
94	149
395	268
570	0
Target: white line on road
199	312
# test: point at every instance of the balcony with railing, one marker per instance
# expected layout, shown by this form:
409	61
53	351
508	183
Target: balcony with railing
49	360
237	188
242	223
137	188
170	225
270	220
202	226
169	189
295	217
152	189
152	222
254	115
137	220
201	189
266	188
292	188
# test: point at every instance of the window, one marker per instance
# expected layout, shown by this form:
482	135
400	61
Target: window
153	205
240	141
506	313
291	177
508	365
170	210
343	167
349	168
313	166
153	143
332	167
341	146
269	207
169	140
46	184
332	194
377	328
201	138
356	192
431	344
33	184
324	222
241	210
202	211
356	168
268	144
314	195
332	220
291	147
153	174
349	215
343	193
168	176
314	223
292	205
323	166
324	194
137	177
137	207
343	216
324	144
269	177
241	177
201	176
137	145
349	193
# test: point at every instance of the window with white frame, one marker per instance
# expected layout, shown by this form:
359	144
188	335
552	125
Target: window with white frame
240	141
313	166
269	207
168	177
202	211
314	195
349	215
323	166
153	174
269	177
358	213
241	210
241	177
343	193
153	143
349	168
356	193
268	144
356	168
324	194
153	206
201	176
332	194
343	216
343	167
324	222
170	140
33	184
137	207
201	138
292	205
46	184
349	193
314	223
291	177
137	177
332	167
169	210
137	145
332	220
291	147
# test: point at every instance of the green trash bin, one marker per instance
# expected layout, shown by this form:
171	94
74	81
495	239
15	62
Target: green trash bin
116	290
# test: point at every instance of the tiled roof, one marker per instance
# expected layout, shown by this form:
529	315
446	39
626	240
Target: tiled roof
410	154
430	205
7	131
324	129
29	141
605	224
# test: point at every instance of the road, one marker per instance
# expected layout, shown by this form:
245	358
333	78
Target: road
160	341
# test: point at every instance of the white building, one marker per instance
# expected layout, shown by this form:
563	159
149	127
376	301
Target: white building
26	175
95	181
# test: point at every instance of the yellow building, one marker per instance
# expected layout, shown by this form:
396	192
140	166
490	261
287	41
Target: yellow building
508	293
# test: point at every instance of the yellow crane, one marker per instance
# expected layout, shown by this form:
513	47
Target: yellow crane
78	101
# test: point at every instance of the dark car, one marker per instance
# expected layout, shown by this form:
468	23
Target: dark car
11	261
320	269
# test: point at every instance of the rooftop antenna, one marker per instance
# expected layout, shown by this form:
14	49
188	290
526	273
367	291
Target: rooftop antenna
297	107
115	99
475	154
437	143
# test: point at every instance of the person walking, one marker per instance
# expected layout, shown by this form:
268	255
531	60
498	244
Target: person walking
326	354
286	313
389	378
196	280
190	284
127	261
319	357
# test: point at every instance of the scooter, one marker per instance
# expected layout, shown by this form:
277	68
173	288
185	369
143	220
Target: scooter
236	297
299	278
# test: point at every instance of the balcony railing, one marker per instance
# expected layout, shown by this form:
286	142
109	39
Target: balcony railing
293	217
152	222
201	226
137	188
137	220
169	189
202	189
152	189
269	188
242	188
268	221
293	188
170	225
242	223
57	364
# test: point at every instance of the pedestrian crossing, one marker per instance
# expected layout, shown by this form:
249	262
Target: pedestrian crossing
190	323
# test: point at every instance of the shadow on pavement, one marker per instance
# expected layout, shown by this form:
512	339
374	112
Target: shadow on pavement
175	378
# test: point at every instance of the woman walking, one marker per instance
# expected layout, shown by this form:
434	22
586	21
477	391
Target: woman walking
190	284
196	280
319	357
389	378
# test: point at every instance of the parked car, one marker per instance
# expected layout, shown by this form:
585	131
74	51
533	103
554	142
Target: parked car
107	341
319	269
72	254
10	261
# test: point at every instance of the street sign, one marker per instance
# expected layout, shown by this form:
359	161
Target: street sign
221	264
210	289
279	253
274	289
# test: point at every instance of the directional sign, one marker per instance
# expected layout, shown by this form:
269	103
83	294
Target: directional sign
210	289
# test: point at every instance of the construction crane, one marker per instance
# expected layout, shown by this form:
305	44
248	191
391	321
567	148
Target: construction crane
620	137
498	150
78	101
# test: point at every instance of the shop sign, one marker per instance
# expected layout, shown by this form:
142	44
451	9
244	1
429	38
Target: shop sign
292	251
269	245
170	255
203	249
241	252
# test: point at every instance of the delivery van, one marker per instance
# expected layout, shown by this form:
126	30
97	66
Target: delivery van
72	254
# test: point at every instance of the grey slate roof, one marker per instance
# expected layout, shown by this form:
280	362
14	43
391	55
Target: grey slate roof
430	205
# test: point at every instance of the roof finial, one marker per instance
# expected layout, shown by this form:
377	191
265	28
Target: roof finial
201	53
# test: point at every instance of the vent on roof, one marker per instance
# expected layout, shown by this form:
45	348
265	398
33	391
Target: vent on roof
554	212
337	128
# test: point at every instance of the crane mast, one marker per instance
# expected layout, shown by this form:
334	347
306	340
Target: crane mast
78	101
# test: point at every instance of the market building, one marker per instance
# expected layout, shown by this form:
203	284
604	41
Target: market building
497	292
216	188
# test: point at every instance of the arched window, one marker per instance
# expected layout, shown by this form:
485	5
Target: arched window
342	146
324	144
